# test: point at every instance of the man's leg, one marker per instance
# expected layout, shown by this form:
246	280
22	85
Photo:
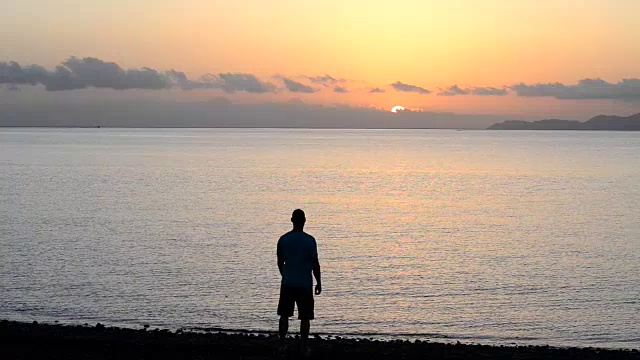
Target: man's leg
304	331
286	305
305	314
283	328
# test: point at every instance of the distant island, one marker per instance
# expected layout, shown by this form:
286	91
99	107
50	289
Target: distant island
600	122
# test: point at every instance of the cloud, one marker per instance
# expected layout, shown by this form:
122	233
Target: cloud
228	82
488	91
297	87
180	79
62	79
79	73
75	73
399	86
585	89
92	72
13	74
231	83
455	90
325	80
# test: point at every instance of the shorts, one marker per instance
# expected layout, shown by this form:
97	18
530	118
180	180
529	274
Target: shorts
303	297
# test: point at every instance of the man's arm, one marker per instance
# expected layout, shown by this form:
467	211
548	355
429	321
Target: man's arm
316	267
280	259
317	275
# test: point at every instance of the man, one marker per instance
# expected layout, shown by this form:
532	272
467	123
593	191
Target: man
297	259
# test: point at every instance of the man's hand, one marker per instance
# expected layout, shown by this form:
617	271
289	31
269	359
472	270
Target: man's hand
318	289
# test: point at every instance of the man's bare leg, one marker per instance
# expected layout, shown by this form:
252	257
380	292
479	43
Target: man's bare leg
283	329
304	332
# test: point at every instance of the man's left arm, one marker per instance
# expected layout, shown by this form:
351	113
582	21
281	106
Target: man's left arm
317	275
280	259
316	269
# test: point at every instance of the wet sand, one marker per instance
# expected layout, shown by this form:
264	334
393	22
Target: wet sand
52	341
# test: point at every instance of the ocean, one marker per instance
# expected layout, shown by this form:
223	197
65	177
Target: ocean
492	237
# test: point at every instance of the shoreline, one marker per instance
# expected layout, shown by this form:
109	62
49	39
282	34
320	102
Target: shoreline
427	337
303	128
21	340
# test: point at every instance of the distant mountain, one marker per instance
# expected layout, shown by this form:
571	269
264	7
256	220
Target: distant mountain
600	122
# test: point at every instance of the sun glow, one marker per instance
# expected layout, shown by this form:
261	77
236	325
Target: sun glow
397	108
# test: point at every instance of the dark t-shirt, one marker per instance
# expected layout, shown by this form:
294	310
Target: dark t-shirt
299	252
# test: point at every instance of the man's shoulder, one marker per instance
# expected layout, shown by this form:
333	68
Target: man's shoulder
308	236
310	240
311	237
297	234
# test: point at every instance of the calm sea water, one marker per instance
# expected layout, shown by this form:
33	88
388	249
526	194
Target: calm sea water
477	236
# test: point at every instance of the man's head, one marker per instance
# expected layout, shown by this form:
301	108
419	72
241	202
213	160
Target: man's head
298	218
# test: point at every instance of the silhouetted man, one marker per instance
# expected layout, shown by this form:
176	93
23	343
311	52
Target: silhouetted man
297	259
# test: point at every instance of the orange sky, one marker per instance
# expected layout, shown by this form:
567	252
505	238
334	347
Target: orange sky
431	44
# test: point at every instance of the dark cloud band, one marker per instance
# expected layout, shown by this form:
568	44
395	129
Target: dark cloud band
324	80
75	73
297	87
79	73
455	90
399	86
586	89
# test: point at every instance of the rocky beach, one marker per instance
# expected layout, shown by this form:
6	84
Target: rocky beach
55	341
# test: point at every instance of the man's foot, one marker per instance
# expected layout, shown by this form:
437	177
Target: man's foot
306	352
282	348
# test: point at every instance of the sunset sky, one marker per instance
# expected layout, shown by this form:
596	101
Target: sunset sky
506	57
